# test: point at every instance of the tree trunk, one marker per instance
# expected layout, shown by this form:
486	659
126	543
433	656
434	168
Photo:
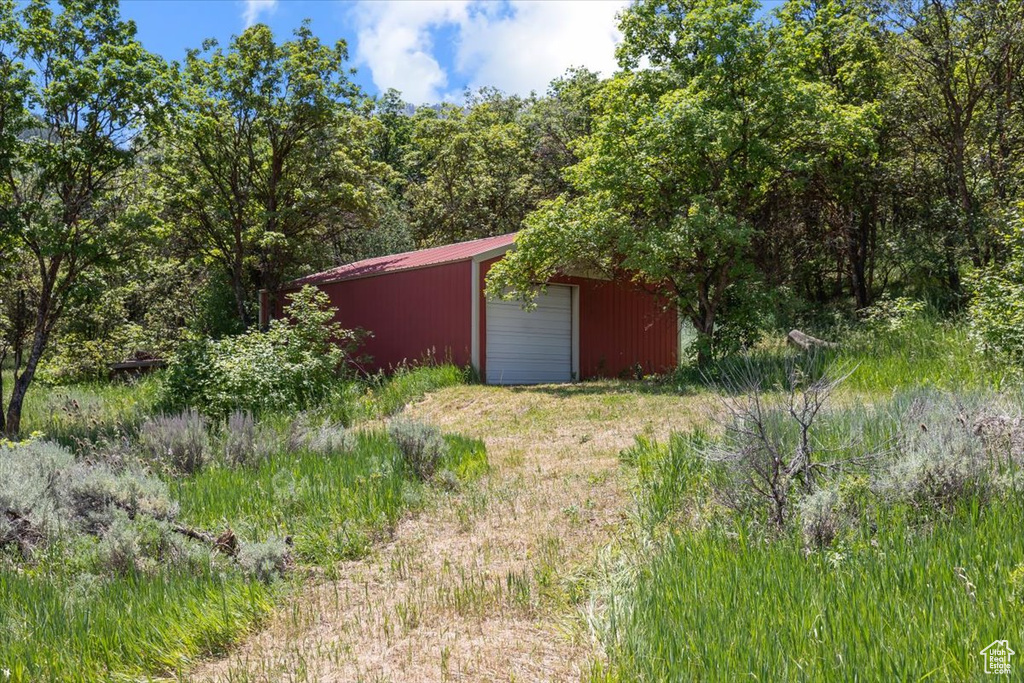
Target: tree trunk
24	380
704	324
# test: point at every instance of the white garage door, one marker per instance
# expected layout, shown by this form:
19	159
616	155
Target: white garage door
530	347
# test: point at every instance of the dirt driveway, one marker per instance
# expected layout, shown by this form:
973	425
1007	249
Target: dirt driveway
484	584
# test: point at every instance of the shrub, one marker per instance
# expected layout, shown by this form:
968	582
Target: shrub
29	478
297	362
940	461
821	519
422	446
178	441
92	491
266	561
248	442
889	315
52	494
772	442
325	438
996	314
239	437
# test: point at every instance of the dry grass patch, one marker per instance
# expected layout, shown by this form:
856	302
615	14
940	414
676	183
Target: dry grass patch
485	584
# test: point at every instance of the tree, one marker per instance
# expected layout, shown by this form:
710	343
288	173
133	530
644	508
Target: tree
78	91
838	208
472	172
557	122
674	179
265	156
958	60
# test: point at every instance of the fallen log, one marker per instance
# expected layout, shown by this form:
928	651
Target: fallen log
806	342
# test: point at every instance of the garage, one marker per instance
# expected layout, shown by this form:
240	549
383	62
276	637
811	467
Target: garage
531	346
431	305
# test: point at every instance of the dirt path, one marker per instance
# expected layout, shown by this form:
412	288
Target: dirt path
483	585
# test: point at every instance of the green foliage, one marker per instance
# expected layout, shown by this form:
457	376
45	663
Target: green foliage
422	446
477	170
996	314
332	504
79	93
296	363
264	159
887	555
674	178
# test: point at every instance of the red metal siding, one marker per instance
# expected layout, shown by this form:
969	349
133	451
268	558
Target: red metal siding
622	325
411	313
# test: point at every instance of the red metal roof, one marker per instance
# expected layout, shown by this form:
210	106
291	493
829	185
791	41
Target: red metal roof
407	261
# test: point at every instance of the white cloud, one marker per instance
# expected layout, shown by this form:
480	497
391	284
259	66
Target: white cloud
394	40
516	45
255	8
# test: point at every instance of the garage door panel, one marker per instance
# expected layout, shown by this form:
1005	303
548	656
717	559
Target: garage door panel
530	347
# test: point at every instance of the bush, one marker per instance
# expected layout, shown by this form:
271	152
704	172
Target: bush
29	480
178	441
296	363
326	438
267	561
247	442
940	461
52	495
422	446
996	314
91	494
240	438
820	517
892	316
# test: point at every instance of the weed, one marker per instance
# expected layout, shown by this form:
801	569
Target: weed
422	446
179	442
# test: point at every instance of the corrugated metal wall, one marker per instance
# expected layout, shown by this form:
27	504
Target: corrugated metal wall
411	313
622	326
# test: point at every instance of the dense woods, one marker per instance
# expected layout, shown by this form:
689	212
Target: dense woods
769	166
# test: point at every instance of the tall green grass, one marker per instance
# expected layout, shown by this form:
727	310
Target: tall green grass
333	506
925	351
716	606
406	385
57	627
86	411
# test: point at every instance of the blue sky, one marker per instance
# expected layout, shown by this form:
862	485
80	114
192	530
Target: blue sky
431	50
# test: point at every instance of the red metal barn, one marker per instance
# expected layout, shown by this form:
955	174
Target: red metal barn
432	302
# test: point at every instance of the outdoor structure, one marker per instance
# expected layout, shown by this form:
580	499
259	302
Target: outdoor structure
432	302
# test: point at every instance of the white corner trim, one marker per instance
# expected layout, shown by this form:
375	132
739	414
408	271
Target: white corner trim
576	333
474	315
491	253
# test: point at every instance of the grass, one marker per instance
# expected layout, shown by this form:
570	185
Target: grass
722	607
924	351
58	622
87	411
703	592
333	506
54	626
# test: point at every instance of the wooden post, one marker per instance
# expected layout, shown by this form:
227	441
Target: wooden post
265	312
